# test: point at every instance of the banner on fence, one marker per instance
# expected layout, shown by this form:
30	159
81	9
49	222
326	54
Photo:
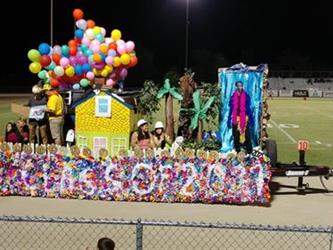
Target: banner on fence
229	180
315	93
328	93
300	93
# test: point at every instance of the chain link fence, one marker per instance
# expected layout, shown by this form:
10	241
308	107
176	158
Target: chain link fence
39	233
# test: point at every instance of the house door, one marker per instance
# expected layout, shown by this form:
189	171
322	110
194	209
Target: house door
99	142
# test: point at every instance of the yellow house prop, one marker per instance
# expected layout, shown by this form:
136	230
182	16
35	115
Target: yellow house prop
103	120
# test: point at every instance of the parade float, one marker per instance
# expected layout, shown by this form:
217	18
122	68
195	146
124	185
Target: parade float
101	165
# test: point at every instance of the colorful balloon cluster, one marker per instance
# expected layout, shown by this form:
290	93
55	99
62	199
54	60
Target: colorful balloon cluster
90	54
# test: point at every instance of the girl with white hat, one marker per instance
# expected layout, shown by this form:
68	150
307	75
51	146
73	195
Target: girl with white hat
160	138
142	139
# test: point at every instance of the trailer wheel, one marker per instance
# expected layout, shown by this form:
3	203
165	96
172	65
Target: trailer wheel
271	151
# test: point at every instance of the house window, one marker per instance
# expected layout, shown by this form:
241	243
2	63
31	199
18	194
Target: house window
99	142
103	106
82	142
118	144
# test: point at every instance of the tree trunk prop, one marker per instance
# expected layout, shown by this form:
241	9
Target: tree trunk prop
200	131
169	120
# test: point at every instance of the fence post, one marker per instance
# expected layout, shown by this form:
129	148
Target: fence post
331	239
139	233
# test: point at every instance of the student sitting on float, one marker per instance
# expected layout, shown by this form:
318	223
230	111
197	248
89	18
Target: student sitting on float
142	139
160	138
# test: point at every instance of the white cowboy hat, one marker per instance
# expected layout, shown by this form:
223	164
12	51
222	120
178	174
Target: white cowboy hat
36	89
159	124
141	122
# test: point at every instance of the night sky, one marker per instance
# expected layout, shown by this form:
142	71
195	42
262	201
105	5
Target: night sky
290	35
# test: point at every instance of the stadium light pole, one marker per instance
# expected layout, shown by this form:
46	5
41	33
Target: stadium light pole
51	23
187	26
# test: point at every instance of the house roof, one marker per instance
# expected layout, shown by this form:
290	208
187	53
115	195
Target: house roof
93	93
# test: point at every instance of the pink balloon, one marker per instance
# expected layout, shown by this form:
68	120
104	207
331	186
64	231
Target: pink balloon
86	41
94	48
56	49
95	42
121	49
118	42
72	60
110	82
64	62
90	75
130	46
109	60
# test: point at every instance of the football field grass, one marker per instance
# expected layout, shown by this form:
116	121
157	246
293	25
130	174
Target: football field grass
292	119
297	119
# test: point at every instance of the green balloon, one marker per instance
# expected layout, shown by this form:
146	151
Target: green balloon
34	55
84	82
42	74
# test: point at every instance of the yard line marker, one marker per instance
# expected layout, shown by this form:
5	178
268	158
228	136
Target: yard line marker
283	131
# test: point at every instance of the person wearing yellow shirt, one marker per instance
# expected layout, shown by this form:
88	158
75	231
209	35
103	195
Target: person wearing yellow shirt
55	109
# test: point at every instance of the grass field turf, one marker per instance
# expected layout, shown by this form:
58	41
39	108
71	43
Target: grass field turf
291	120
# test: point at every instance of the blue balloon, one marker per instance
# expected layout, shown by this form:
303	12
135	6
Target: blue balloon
65	50
103	57
76	86
112	53
86	67
79	33
78	69
99	37
44	48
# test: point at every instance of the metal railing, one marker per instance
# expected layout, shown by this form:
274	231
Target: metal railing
75	234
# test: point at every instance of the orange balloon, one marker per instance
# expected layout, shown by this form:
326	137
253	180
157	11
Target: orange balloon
113	46
133	61
97	58
78	14
71	43
72	50
54	82
56	58
90	24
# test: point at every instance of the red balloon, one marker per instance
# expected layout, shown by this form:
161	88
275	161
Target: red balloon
54	82
71	43
78	14
72	50
77	41
45	60
56	58
133	61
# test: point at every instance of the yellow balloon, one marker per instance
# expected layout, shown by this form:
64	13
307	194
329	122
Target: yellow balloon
98	72
115	34
104	73
116	61
95	71
70	71
97	30
35	67
125	59
109	68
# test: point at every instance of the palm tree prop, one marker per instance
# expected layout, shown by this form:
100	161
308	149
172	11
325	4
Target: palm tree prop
199	113
169	93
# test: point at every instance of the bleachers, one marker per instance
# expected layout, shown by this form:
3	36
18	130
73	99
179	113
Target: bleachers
278	83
